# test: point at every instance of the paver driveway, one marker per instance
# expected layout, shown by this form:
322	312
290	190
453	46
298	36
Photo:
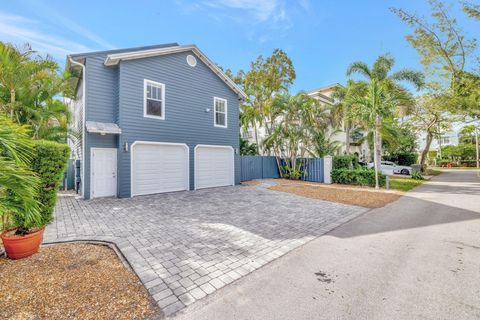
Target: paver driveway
186	245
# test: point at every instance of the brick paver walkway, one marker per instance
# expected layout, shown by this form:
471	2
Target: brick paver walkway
186	245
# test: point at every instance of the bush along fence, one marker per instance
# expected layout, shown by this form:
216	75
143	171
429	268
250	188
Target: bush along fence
346	170
266	167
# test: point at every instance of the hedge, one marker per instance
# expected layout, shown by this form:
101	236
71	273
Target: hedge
49	162
359	176
344	162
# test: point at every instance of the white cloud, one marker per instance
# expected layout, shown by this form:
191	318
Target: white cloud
262	20
58	19
19	30
262	10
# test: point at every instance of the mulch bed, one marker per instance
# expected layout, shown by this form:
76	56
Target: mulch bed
72	281
360	196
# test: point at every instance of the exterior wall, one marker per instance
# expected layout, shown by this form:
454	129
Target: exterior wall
75	107
447	139
101	100
189	91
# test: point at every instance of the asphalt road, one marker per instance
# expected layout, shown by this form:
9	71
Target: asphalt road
417	258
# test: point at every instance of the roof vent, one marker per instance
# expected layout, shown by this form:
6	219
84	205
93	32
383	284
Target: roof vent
191	60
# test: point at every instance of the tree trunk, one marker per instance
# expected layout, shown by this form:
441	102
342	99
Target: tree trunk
476	148
347	138
12	101
424	154
256	138
377	149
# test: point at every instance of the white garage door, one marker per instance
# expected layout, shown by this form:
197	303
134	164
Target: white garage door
159	167
214	166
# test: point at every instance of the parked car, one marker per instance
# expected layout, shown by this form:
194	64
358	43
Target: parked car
388	166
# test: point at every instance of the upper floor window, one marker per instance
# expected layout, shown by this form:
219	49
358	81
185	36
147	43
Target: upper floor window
220	112
154	100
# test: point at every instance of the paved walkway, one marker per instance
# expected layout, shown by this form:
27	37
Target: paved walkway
417	258
186	245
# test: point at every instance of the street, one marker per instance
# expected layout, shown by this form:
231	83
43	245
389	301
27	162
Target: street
417	258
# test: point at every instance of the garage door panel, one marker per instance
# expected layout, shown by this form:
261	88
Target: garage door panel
159	168
213	166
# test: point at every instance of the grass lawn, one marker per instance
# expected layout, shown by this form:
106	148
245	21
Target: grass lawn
404	184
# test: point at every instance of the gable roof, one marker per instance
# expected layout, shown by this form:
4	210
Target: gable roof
115	58
323	89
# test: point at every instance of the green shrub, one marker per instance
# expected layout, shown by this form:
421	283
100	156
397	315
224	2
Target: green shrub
416	175
358	176
49	162
344	162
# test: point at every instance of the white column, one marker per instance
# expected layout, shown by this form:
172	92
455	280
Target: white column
327	169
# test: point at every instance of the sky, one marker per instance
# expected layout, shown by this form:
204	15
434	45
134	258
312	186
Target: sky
322	37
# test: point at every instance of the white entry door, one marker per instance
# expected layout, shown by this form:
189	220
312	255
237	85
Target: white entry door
104	172
214	166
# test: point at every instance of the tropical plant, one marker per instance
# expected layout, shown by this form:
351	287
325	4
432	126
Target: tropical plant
384	97
468	133
18	184
29	87
296	116
341	110
266	79
322	143
247	149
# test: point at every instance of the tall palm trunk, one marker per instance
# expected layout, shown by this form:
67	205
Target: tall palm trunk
423	156
12	101
256	137
347	138
377	149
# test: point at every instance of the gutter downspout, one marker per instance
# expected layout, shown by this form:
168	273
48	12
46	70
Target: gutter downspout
84	102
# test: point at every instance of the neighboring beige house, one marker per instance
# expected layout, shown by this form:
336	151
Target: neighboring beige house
324	94
357	146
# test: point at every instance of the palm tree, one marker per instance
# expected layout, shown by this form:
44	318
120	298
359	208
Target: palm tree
341	109
18	204
250	117
291	135
28	89
383	97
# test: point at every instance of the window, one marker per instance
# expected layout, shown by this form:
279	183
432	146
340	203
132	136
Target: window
154	102
220	112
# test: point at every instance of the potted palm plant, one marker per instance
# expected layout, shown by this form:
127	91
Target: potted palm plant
21	220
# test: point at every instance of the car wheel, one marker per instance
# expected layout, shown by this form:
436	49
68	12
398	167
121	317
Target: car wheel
405	172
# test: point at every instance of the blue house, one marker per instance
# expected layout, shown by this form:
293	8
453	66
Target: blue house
153	119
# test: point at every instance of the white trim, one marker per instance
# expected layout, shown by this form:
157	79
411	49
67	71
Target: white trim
114	59
232	176
84	131
158	84
215	111
187	161
92	149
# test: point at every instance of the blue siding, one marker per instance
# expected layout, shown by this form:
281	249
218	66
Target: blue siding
102	90
115	94
188	93
94	140
102	105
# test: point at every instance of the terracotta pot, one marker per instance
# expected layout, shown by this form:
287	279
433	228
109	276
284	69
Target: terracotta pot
18	247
